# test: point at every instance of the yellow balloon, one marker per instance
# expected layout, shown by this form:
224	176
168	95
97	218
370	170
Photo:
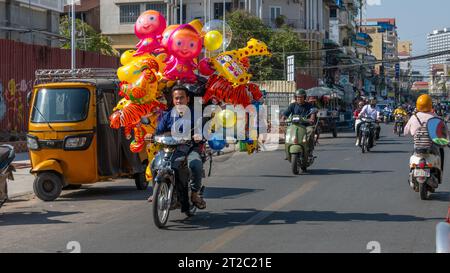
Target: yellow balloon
213	40
197	24
126	57
227	118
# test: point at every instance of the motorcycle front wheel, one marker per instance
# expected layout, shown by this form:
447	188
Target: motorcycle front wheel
161	203
363	144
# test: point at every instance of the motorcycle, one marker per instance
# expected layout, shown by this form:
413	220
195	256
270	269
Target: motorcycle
387	116
426	170
171	177
298	145
399	125
367	134
7	156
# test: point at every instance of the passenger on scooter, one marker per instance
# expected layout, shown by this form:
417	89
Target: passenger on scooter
424	113
180	97
368	111
302	108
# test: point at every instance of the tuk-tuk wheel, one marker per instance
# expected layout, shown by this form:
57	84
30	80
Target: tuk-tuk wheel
47	186
141	182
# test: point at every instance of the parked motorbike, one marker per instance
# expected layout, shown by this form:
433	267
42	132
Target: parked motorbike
367	134
171	177
7	156
299	145
399	125
387	117
426	173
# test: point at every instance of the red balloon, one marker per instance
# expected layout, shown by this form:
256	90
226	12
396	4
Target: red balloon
205	67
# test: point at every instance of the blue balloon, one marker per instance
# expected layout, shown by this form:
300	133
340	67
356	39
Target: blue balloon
216	144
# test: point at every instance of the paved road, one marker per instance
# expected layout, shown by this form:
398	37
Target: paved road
255	204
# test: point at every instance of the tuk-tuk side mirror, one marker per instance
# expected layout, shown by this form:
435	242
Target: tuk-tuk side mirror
29	96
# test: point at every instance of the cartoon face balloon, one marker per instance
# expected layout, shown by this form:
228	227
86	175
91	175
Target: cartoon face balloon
149	24
185	43
166	34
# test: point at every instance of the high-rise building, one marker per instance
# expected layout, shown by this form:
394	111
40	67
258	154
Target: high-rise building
438	40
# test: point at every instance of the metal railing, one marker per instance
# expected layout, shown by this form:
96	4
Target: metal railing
52	75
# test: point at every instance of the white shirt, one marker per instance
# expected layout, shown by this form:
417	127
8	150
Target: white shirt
369	112
413	124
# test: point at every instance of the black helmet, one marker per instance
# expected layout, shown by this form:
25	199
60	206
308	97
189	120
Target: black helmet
300	92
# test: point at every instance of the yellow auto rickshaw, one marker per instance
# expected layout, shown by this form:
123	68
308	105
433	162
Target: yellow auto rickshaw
69	139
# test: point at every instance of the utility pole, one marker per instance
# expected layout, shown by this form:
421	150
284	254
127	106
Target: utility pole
73	44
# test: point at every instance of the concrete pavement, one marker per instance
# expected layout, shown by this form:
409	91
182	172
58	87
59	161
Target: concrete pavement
348	202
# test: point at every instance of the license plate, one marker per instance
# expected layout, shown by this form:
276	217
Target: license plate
422	173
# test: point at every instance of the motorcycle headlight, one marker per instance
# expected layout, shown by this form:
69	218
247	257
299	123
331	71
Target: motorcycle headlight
32	143
77	142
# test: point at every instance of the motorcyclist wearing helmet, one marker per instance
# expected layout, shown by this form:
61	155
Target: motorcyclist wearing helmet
302	108
368	111
400	113
424	108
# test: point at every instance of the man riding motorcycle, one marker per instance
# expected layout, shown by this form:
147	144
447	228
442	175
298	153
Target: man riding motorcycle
180	98
302	108
368	111
424	113
400	112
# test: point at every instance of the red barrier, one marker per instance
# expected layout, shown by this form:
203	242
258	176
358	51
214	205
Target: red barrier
18	62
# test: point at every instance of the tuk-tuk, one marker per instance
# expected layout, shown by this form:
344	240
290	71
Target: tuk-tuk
69	139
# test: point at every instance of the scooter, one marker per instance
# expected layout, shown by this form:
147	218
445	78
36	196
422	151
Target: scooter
426	168
367	134
7	156
299	145
399	125
171	177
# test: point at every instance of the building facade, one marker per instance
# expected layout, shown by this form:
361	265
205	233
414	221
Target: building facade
88	11
438	40
31	21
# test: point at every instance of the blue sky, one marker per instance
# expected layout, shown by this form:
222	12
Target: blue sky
415	19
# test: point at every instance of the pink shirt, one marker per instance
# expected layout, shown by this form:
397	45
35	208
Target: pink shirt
413	124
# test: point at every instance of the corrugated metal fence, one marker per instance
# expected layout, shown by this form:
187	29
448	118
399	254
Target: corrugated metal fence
18	62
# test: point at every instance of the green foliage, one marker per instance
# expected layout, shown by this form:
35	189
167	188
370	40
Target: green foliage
284	39
86	38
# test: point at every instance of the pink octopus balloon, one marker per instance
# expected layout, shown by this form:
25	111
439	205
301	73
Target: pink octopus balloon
184	45
148	28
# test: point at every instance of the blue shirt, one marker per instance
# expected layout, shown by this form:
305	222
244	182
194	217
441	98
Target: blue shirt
167	121
298	109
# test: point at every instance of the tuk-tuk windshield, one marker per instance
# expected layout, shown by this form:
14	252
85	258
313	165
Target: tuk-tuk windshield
60	105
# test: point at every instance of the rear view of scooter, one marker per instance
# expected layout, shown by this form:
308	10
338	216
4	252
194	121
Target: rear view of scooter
7	156
426	163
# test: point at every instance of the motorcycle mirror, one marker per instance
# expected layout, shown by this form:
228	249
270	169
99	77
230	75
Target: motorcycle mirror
443	238
437	129
29	98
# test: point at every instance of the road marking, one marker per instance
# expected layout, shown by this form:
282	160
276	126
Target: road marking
235	232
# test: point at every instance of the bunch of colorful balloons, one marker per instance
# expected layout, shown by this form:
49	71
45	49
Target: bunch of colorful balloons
165	55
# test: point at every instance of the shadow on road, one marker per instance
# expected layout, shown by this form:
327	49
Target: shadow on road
343	172
388	152
440	196
234	218
33	218
107	193
227	193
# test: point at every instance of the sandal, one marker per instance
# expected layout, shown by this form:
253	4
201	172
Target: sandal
198	201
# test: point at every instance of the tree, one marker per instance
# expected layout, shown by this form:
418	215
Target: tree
246	26
86	38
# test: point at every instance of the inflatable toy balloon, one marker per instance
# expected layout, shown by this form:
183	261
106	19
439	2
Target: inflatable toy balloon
166	35
230	67
226	118
205	67
197	24
215	27
184	45
216	144
127	56
213	40
148	28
